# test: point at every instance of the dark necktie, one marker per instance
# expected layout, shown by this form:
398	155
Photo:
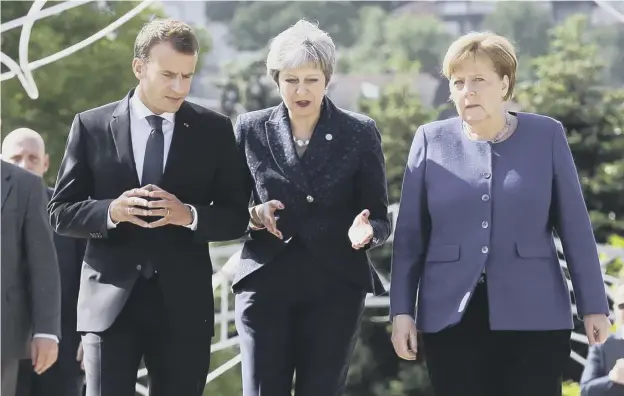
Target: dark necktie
154	159
153	164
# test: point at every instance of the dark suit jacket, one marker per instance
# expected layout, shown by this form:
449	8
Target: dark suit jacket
341	173
70	252
600	360
203	170
31	300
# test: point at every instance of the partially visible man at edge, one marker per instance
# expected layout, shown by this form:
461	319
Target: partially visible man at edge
30	277
603	374
25	148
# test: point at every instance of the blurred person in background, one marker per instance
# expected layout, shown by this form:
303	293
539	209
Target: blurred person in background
25	148
319	204
150	180
482	195
603	374
31	290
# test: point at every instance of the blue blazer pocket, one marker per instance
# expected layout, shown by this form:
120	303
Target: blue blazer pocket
533	250
443	253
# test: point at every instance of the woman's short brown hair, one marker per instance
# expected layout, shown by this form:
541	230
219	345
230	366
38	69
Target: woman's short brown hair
483	44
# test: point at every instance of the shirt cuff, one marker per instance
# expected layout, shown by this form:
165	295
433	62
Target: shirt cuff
49	336
252	225
109	221
193	225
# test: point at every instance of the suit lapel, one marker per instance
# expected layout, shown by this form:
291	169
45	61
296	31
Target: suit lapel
6	184
120	128
319	149
183	126
279	137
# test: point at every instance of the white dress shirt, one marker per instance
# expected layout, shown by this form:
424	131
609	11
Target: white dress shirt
140	131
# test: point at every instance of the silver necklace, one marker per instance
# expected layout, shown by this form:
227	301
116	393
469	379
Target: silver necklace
301	142
500	136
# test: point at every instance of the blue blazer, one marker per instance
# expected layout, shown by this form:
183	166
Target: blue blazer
341	173
469	206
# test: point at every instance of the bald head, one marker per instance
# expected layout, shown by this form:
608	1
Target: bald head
26	149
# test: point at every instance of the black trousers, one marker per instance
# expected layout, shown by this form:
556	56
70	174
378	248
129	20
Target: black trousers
469	359
64	377
177	360
294	318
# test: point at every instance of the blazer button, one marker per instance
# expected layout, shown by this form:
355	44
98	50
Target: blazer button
485	249
485	197
485	224
487	175
310	198
138	267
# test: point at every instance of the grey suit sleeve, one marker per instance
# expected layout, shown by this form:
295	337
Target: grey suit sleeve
72	211
43	269
573	226
595	380
412	230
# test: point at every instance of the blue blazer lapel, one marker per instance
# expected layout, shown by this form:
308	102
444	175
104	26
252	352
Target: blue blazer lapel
279	137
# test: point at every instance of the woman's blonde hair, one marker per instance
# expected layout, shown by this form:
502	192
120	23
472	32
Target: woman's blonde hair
488	45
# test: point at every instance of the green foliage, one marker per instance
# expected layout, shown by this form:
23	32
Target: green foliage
568	88
611	39
398	112
223	11
510	20
616	267
248	85
402	43
96	75
338	18
377	371
571	388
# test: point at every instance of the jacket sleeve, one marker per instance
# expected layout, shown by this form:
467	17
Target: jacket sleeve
43	269
573	226
372	188
227	218
411	234
73	212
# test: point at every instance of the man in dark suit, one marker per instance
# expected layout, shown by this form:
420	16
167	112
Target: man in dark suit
30	277
25	148
150	180
603	374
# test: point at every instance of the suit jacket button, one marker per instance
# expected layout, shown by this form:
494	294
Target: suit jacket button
310	198
138	267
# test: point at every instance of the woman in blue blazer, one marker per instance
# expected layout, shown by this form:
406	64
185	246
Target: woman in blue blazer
482	195
320	202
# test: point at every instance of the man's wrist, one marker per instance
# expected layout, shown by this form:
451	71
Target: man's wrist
193	213
110	223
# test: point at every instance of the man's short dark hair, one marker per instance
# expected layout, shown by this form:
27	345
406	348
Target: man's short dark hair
177	33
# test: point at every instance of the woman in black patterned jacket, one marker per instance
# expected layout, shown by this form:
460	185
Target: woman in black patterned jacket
320	202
